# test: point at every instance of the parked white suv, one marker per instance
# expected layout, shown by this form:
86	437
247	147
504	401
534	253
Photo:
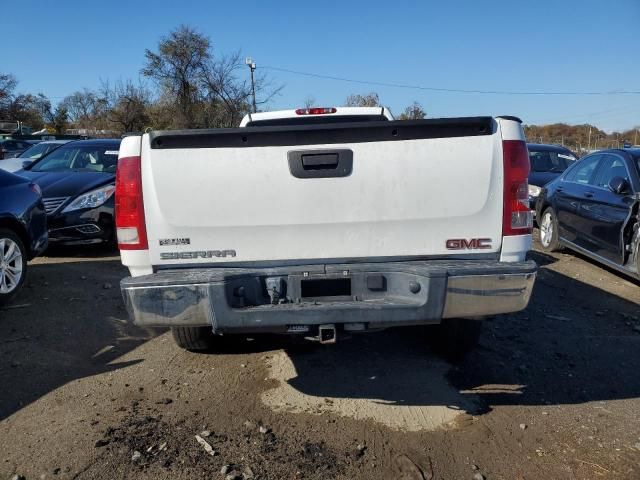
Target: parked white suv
319	221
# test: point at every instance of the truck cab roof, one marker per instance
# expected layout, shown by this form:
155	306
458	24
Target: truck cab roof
316	115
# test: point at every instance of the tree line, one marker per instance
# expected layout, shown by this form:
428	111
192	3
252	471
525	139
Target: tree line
581	138
186	83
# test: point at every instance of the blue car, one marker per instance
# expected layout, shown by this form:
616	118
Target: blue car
23	231
547	163
593	208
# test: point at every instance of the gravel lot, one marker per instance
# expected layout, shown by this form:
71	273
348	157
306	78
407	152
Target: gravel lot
550	393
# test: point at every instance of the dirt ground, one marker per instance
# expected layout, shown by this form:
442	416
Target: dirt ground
550	393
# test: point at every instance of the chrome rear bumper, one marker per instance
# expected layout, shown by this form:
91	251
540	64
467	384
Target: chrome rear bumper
376	295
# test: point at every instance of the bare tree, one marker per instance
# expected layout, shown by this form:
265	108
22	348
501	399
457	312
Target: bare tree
309	101
85	108
177	67
127	105
415	111
368	100
7	86
228	97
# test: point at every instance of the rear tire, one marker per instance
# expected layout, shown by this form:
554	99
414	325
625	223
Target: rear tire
194	339
13	265
455	337
638	258
549	231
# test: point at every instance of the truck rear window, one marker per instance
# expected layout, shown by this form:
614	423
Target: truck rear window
314	120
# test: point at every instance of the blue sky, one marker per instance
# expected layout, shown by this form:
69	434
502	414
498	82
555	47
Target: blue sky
505	45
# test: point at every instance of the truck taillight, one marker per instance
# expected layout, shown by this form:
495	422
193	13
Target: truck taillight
316	111
517	218
130	224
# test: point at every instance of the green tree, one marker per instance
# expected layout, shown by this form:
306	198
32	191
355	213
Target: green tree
57	118
29	109
26	108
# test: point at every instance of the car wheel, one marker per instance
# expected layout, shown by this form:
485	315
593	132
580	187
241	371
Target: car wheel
549	231
195	339
13	265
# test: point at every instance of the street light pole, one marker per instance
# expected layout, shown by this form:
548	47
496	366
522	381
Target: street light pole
252	66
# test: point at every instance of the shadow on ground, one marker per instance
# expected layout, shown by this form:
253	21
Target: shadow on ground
575	343
67	323
100	251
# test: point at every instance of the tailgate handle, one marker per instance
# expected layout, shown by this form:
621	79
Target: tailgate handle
321	163
318	161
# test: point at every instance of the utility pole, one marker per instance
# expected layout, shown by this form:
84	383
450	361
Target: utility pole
252	66
589	141
635	138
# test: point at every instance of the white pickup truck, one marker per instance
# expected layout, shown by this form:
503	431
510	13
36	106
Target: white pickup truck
322	221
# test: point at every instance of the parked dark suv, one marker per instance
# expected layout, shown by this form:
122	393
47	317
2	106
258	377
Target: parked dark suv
547	163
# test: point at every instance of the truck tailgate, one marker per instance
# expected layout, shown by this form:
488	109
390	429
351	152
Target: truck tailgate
352	191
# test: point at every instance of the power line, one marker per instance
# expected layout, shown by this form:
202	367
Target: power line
613	112
445	90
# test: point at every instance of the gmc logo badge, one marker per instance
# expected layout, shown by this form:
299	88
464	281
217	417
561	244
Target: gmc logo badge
470	244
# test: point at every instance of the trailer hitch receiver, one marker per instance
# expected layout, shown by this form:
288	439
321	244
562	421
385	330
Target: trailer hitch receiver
327	333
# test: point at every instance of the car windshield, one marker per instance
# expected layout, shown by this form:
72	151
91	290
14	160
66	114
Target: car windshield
80	158
550	161
37	151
